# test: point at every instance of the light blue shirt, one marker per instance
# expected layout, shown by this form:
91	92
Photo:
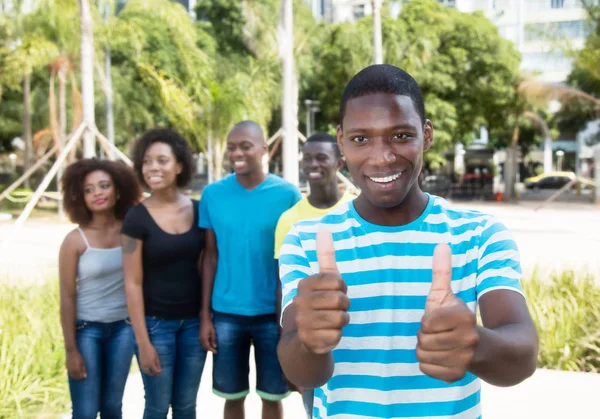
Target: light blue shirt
388	272
244	223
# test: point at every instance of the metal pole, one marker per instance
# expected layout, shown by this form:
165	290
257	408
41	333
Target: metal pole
308	119
290	137
87	75
597	175
110	123
547	154
377	43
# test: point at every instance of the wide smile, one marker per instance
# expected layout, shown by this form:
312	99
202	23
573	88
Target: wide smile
383	180
155	179
239	164
315	175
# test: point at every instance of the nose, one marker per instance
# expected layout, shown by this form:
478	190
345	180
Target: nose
152	165
382	154
236	152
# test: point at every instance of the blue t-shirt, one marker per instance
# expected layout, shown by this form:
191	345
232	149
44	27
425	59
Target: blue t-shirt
244	223
388	272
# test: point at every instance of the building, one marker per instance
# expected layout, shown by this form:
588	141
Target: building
534	26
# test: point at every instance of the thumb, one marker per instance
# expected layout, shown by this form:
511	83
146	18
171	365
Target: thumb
441	278
326	252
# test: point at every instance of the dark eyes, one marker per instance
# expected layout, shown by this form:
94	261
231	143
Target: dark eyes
359	139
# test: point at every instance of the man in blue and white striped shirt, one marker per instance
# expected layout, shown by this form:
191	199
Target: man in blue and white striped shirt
380	295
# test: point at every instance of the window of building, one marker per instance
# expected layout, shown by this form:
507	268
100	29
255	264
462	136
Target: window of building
557	4
358	11
573	29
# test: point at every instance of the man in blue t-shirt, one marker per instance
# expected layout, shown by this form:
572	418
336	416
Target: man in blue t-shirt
380	294
240	283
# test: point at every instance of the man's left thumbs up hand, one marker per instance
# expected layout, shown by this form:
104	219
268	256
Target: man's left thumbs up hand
448	337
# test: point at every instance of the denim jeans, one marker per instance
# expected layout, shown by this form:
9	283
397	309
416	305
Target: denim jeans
177	343
107	351
231	365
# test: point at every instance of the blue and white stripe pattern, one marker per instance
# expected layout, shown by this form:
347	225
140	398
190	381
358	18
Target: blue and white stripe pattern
388	272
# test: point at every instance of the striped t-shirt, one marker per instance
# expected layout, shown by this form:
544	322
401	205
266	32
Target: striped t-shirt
388	272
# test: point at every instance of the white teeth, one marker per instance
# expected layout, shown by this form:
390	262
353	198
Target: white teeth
385	179
239	163
313	175
155	179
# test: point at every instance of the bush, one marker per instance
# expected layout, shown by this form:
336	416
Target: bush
566	311
33	378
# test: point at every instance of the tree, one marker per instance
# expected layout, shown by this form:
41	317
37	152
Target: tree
467	71
18	63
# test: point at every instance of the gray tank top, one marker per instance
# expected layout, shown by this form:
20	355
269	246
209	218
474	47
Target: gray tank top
100	286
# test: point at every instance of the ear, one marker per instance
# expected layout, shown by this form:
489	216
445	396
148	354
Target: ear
179	168
340	163
340	135
427	135
265	148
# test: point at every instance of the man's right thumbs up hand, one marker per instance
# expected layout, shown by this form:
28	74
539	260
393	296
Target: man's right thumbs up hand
322	303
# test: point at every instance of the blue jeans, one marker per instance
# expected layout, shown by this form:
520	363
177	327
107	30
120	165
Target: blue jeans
177	343
231	367
107	351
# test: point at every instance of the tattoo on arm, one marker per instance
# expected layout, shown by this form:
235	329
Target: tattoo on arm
129	244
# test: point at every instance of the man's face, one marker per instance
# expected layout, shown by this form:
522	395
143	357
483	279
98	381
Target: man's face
320	163
383	139
245	149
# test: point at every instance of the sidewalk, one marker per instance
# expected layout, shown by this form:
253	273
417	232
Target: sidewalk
546	395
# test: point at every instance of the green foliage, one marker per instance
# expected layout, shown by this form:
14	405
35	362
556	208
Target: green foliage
467	71
227	23
585	75
33	379
566	311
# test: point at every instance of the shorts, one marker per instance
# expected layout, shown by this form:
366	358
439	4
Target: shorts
231	365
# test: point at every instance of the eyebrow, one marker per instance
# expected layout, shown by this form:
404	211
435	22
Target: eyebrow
399	127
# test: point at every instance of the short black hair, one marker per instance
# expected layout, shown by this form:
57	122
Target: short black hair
383	78
181	149
323	137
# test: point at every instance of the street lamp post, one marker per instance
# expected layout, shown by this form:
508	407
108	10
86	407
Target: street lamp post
377	43
559	158
312	107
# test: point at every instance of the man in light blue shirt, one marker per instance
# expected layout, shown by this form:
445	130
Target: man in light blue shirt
380	294
240	284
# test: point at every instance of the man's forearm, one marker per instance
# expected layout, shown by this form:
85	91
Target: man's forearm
507	355
301	367
209	270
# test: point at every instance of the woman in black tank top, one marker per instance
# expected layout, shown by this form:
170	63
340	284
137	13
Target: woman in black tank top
162	250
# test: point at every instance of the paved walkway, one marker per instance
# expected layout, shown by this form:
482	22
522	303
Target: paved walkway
546	395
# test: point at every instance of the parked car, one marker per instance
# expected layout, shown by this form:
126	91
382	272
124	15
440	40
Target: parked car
554	180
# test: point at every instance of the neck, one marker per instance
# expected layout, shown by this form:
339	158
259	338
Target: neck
167	196
408	211
251	180
324	196
103	220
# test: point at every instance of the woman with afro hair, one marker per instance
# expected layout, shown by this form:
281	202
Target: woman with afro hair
98	337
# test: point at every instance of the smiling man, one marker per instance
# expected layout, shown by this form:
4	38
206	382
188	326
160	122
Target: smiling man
321	160
240	285
380	295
